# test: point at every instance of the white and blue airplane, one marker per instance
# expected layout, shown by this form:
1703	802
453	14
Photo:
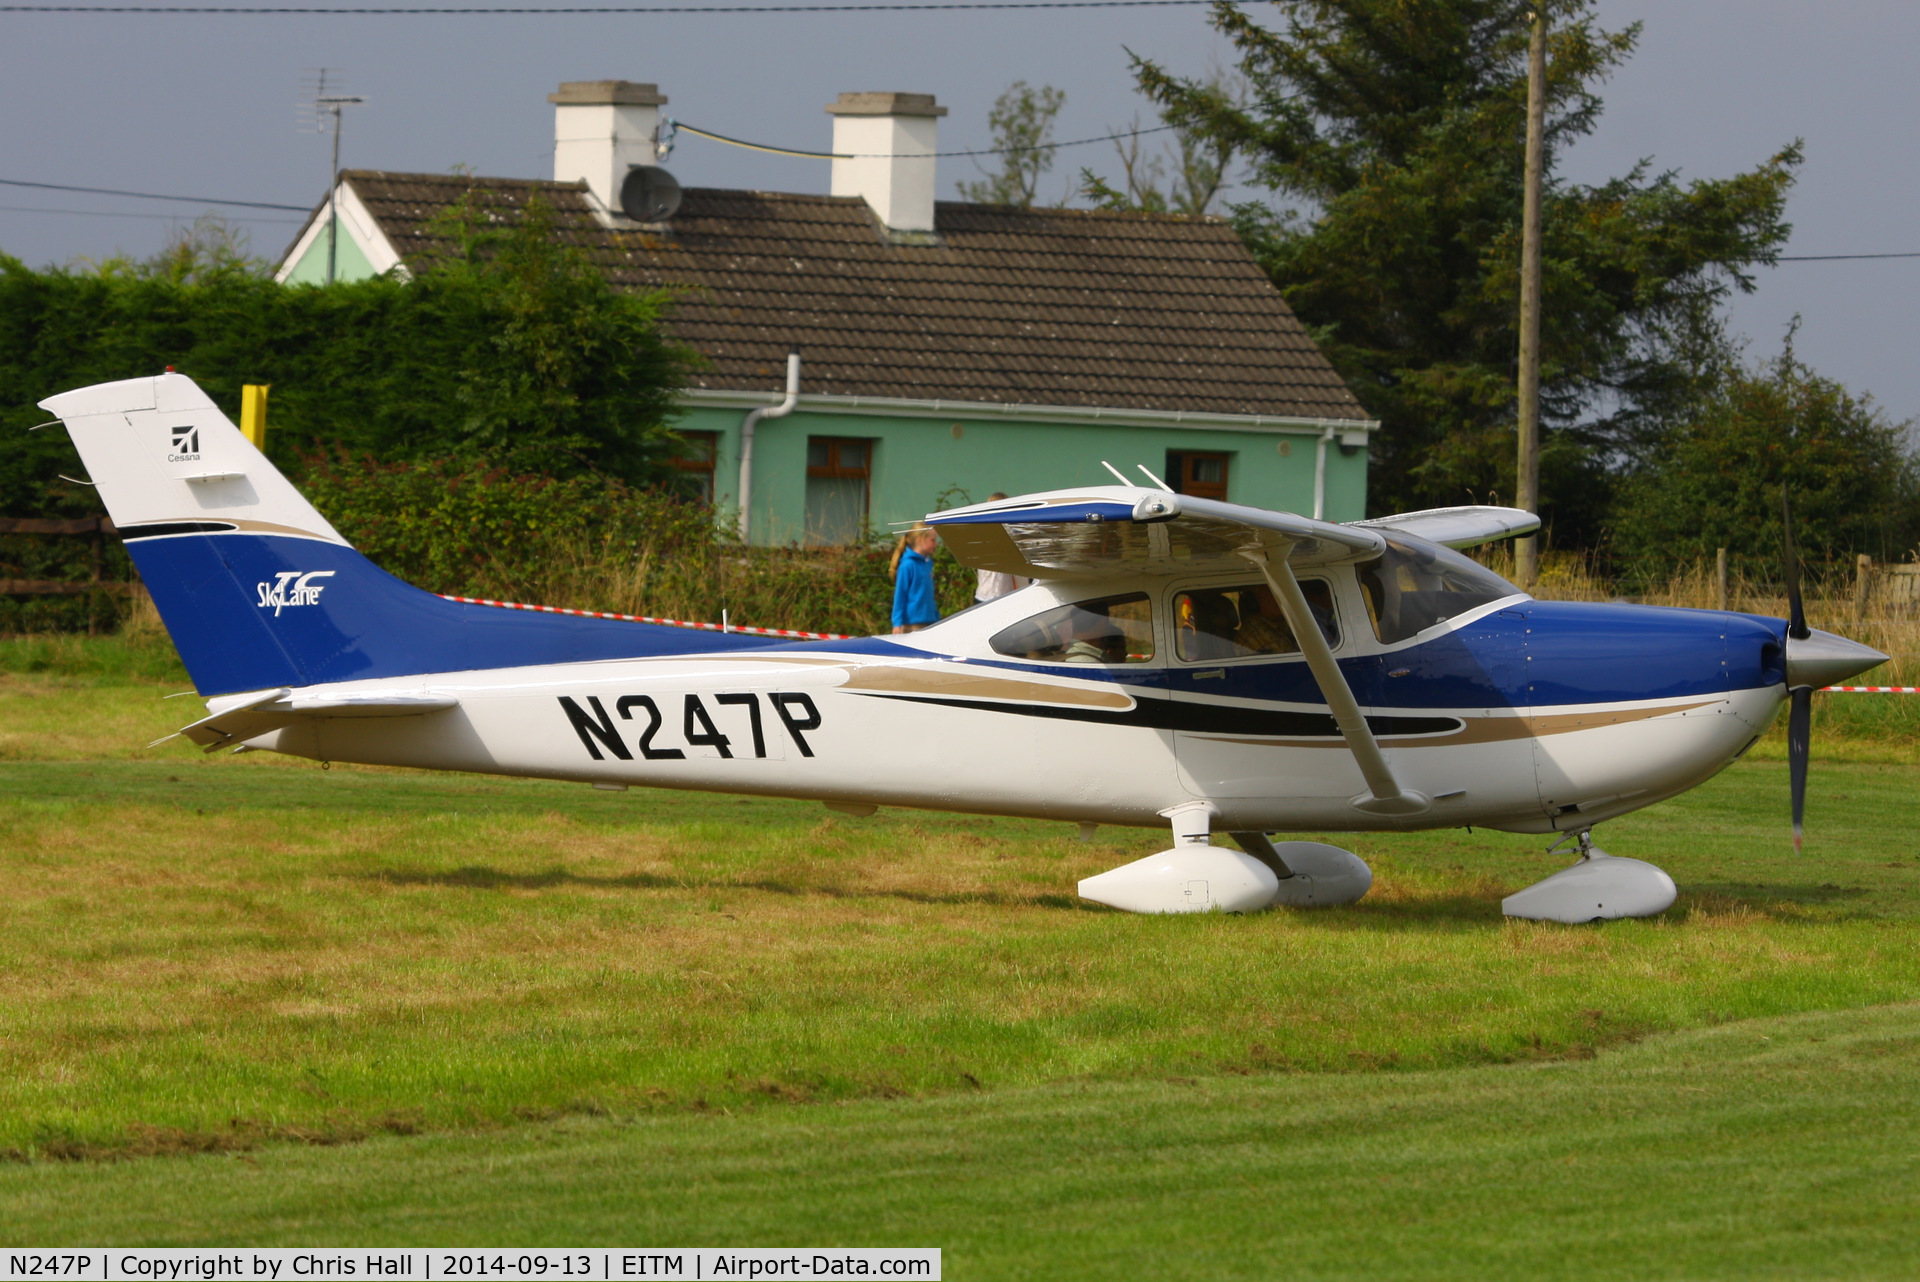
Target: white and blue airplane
1177	661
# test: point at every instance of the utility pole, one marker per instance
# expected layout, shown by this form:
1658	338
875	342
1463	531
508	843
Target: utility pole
335	105
1526	556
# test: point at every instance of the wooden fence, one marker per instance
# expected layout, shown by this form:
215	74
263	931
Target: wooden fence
95	528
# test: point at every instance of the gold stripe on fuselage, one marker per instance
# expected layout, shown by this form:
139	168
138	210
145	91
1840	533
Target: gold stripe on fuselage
900	679
1488	729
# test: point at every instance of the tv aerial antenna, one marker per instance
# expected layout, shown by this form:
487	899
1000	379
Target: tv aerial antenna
319	112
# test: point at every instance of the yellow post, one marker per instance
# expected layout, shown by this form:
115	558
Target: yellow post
253	414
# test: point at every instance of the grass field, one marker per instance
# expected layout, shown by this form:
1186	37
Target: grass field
364	1005
1782	1148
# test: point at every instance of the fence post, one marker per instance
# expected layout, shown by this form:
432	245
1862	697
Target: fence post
1862	587
1720	579
253	414
93	590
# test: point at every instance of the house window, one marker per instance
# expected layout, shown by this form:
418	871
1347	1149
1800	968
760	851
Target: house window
1202	475
696	460
838	468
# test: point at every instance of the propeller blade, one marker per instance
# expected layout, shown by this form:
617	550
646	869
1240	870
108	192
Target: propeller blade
1796	612
1799	748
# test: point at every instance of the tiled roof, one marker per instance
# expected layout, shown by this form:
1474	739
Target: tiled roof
1038	306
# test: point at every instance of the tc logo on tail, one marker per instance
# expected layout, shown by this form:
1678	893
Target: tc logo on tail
186	444
291	587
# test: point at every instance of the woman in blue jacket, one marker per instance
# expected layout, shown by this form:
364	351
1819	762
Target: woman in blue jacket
913	604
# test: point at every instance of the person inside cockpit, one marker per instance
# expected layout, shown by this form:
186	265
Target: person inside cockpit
1117	629
1092	639
1245	619
1208	621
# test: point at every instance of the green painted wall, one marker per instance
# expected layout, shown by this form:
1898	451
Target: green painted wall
917	461
349	261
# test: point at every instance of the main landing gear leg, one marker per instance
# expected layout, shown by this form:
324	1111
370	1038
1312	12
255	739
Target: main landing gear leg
1312	874
1600	886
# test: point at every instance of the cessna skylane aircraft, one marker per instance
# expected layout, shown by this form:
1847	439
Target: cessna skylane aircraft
1177	661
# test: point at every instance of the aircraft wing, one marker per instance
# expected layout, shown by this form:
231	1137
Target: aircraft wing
1458	527
1106	530
238	718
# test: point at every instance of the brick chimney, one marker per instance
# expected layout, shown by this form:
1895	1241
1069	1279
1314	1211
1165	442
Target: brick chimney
601	129
891	139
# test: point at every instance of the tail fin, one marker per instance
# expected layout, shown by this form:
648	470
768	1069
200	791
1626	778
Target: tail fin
258	590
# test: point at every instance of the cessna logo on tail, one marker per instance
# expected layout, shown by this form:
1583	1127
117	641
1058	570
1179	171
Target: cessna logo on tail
186	444
291	587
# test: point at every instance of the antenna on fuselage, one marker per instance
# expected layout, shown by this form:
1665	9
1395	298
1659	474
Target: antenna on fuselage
1118	475
1156	480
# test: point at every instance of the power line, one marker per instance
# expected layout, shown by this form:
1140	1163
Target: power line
732	142
756	146
931	155
147	195
1831	258
440	11
102	213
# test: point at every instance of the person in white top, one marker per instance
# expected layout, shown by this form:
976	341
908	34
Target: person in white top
992	584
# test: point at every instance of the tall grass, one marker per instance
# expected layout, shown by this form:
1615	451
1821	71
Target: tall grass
1847	726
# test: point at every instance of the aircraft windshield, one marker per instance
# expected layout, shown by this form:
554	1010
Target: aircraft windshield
1115	629
1232	623
1412	586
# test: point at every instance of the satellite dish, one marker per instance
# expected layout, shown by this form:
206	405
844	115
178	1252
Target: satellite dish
649	194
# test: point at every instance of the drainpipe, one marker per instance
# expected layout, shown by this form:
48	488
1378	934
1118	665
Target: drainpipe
752	421
1320	476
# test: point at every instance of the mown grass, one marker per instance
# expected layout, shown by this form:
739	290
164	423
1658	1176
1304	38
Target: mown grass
1781	1148
390	1006
214	952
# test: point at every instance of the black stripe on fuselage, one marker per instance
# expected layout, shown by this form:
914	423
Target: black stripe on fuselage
1199	718
159	529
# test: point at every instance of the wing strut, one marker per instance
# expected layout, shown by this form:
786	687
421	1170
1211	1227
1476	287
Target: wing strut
1388	797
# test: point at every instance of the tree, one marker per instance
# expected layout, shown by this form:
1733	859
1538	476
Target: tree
1397	128
1184	179
207	249
572	375
507	347
1021	123
1716	481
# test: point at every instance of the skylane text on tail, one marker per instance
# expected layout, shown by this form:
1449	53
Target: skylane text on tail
1177	661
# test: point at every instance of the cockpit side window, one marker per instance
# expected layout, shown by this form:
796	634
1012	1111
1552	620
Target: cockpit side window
1412	586
1114	629
1232	623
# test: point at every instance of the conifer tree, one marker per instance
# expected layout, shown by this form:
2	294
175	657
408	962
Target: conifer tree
1390	137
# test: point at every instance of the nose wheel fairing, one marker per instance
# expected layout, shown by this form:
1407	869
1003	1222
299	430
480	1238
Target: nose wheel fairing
1598	888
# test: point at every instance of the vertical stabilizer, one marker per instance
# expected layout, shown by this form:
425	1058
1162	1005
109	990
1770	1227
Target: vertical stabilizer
258	591
161	452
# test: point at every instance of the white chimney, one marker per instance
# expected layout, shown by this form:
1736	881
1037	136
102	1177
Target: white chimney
601	129
890	137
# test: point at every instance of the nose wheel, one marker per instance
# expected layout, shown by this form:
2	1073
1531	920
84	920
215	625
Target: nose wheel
1599	887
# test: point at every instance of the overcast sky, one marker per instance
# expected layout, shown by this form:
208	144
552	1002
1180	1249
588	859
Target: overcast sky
205	106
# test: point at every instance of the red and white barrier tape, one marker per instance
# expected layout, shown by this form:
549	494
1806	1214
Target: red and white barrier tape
842	636
641	618
1870	689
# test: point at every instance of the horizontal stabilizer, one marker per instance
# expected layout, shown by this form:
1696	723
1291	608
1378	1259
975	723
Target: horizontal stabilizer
248	716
